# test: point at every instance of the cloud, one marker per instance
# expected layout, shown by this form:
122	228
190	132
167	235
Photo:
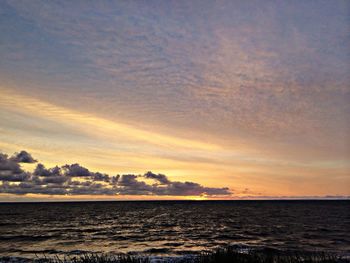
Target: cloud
190	188
10	177
30	187
180	188
161	178
100	177
23	157
55	180
7	164
129	185
75	170
40	170
74	179
10	170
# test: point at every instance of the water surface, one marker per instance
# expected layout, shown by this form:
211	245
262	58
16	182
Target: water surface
172	227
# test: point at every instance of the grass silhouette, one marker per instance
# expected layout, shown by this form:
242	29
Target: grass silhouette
221	255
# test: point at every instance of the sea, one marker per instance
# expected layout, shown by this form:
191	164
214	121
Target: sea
172	228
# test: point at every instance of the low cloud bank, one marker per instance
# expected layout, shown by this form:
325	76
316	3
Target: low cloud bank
74	179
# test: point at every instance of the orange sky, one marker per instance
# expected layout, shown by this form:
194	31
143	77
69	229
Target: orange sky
225	95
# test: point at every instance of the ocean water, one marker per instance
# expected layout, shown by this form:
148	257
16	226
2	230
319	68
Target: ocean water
171	228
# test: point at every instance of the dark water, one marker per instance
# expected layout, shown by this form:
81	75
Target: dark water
169	228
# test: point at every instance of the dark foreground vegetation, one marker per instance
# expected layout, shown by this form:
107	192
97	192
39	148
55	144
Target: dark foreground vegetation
225	255
222	255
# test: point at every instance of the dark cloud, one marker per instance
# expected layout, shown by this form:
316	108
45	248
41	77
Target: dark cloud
11	177
128	180
129	185
114	179
74	179
190	188
25	188
10	165
55	179
75	170
100	177
91	189
161	178
11	171
23	157
40	170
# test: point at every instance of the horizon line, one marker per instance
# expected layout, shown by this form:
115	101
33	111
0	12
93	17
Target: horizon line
180	200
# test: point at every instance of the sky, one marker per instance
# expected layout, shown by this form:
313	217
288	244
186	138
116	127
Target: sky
174	100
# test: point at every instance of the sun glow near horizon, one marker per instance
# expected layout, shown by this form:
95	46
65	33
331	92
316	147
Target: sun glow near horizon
209	157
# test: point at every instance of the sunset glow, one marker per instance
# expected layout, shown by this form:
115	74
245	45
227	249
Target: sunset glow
218	100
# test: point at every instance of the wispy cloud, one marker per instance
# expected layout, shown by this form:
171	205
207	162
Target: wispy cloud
249	92
103	127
